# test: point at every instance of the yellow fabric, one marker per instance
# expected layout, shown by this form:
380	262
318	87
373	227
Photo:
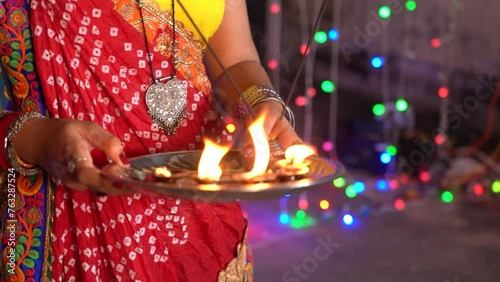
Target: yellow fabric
206	13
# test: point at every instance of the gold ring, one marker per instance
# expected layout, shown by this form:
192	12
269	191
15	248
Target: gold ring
71	166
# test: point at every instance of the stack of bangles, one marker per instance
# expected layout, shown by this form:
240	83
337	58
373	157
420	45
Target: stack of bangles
257	94
10	124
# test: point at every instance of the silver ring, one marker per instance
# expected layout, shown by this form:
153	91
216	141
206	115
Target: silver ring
71	166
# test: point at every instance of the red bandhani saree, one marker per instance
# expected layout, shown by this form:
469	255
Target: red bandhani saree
92	65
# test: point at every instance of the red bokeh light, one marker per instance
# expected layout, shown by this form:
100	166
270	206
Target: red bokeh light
272	64
300	101
303	205
443	92
394	184
436	42
399	204
311	92
478	189
424	176
275	8
440	139
303	49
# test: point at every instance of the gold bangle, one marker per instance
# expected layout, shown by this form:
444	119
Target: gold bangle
10	152
259	94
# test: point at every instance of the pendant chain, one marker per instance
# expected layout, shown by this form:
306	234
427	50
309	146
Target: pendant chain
174	43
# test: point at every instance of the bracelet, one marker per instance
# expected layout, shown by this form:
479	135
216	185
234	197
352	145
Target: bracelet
259	94
255	93
289	114
10	152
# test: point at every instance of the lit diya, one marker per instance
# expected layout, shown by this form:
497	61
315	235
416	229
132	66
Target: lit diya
264	169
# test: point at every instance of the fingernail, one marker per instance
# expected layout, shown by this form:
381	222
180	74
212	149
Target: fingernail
124	159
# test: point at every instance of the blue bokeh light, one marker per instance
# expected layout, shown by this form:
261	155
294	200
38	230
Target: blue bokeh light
377	62
348	219
284	218
382	185
333	34
385	158
359	187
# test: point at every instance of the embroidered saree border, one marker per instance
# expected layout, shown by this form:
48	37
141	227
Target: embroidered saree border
21	91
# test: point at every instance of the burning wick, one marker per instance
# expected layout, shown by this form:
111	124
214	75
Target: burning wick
294	163
162	172
296	154
208	168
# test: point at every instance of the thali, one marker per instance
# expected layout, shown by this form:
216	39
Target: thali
139	177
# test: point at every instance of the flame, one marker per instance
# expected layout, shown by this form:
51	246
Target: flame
262	150
208	168
296	154
163	172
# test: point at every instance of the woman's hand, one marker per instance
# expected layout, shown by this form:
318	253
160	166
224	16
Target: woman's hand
61	141
276	129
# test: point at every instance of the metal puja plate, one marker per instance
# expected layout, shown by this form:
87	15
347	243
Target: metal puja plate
139	177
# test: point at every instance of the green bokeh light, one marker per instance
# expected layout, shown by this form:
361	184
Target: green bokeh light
384	12
411	5
447	197
378	109
301	214
495	187
391	150
401	105
327	86
302	223
350	192
339	182
321	37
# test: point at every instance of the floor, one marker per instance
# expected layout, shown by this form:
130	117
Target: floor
428	242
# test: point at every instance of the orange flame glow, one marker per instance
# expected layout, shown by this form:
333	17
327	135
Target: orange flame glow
262	150
208	168
297	153
163	172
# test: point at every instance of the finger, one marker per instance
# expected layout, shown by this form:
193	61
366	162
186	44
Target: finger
71	183
107	143
85	174
92	177
286	135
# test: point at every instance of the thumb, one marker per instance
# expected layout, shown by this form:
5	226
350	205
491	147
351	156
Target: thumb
107	143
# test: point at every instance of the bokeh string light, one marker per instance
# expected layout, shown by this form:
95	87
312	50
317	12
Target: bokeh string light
411	5
397	189
273	35
377	62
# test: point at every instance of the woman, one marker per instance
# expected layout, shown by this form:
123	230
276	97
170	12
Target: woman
87	66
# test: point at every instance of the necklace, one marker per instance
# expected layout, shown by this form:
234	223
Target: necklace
166	101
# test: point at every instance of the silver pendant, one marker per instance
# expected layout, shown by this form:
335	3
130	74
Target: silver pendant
167	103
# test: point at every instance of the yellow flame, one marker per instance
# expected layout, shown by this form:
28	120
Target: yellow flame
208	168
261	144
297	153
163	172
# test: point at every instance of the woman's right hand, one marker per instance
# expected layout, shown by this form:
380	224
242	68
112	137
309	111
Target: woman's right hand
53	143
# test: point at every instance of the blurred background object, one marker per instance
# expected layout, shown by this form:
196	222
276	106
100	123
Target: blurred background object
404	93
